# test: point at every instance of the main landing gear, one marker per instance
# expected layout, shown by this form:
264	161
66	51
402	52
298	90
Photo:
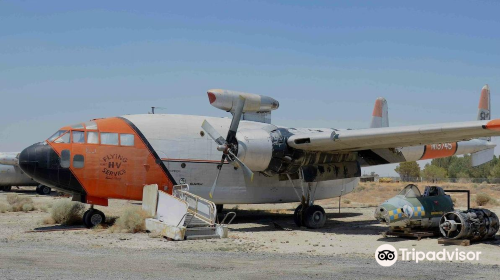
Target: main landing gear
43	190
6	188
93	217
313	216
307	214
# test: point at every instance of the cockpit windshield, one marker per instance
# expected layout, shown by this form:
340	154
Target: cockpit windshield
410	191
64	138
56	135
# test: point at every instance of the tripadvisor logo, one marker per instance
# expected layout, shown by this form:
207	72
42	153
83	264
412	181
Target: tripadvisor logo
387	255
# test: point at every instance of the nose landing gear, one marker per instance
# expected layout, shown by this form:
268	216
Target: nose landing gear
93	217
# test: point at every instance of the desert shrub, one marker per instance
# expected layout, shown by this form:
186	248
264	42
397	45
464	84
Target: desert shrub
20	203
132	221
48	221
67	212
28	207
347	201
360	189
482	199
5	208
454	200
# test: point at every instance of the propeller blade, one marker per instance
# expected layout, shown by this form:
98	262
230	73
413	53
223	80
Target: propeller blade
211	194
235	122
213	133
246	171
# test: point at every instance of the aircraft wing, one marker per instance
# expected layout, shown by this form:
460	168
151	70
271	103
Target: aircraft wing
393	137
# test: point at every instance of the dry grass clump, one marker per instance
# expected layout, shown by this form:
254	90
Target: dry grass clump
20	203
131	221
483	199
45	207
66	212
5	208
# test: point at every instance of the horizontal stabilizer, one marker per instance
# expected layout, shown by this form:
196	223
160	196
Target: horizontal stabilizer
482	157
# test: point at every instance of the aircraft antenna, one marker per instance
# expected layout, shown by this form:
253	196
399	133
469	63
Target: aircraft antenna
158	108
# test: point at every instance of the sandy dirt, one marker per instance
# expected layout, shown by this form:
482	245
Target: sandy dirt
258	247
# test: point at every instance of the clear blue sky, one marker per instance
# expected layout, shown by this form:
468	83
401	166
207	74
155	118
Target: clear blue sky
63	62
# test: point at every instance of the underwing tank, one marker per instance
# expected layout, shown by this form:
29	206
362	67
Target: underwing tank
473	224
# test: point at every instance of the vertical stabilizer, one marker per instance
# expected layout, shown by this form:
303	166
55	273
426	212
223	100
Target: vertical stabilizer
484	112
380	116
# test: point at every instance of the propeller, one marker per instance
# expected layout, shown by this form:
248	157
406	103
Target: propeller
229	145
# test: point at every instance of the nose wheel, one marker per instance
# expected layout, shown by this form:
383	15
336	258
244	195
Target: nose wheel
312	217
93	217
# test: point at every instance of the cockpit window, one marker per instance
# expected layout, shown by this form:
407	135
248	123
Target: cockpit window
78	126
78	137
109	138
410	191
91	125
63	138
127	139
92	137
57	134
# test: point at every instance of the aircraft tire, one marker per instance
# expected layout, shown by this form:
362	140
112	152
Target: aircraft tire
297	217
7	188
219	208
44	190
1	188
93	217
314	217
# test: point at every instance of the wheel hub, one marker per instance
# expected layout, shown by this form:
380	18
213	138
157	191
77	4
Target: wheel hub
96	219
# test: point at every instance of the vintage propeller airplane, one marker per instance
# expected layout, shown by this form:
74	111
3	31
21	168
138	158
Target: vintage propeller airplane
257	162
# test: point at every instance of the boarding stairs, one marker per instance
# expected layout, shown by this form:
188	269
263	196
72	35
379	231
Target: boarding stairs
183	215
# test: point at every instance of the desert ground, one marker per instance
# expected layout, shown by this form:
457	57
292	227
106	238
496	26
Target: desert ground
263	242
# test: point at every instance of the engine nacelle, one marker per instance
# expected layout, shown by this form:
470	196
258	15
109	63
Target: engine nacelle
255	148
268	152
227	99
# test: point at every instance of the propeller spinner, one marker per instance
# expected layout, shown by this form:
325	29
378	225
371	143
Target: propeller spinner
229	145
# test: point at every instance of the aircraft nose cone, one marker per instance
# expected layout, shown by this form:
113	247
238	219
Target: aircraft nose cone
381	214
34	160
42	163
27	160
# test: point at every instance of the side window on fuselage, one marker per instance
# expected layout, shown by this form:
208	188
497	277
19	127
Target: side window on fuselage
109	138
65	158
127	139
78	161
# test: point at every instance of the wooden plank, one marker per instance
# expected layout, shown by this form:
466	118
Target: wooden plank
460	242
415	234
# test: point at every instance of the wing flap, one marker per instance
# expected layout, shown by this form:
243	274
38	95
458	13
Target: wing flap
394	137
